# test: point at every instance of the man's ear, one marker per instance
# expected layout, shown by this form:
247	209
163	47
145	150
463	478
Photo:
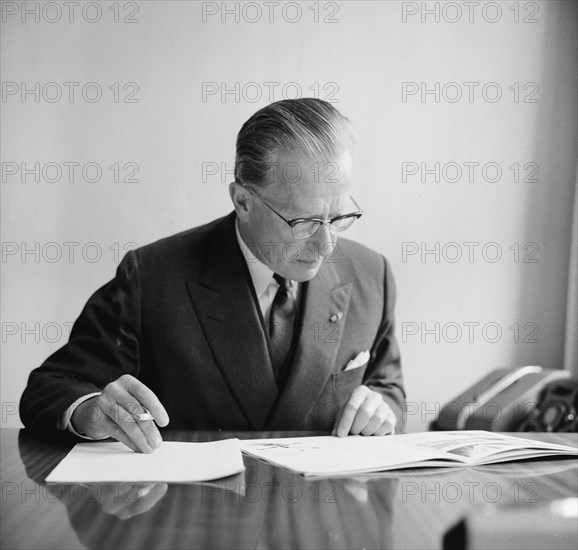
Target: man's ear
240	197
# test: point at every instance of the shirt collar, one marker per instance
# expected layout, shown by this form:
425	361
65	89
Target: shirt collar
261	275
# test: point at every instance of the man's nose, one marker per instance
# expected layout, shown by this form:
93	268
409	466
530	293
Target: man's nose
324	240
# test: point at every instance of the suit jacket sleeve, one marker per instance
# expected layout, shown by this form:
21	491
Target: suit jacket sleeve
103	346
384	370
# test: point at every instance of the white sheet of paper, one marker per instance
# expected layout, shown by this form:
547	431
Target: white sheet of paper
173	461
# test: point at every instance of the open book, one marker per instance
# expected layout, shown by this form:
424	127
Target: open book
333	456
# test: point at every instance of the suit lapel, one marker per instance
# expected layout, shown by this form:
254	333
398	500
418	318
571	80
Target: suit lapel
325	311
228	314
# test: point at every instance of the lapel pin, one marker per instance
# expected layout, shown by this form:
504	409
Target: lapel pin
336	317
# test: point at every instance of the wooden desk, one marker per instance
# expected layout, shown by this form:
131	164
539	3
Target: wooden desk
263	508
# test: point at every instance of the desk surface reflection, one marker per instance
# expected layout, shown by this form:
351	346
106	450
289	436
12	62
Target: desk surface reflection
265	507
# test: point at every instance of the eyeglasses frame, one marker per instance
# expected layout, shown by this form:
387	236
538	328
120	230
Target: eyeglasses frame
294	221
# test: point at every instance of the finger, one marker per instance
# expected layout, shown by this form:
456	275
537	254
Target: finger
149	400
379	423
126	423
350	411
365	413
148	427
385	429
112	429
339	418
388	426
118	392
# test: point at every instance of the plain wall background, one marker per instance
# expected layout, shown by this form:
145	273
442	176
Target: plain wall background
359	62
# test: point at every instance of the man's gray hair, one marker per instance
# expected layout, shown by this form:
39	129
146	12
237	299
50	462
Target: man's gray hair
309	126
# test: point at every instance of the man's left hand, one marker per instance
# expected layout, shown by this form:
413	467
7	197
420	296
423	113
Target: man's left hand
365	413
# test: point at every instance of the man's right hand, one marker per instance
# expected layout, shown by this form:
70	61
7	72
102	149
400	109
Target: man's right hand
112	414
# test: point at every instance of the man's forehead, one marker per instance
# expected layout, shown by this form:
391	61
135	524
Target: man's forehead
298	176
295	167
311	195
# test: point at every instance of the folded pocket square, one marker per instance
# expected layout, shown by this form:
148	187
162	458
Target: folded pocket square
358	361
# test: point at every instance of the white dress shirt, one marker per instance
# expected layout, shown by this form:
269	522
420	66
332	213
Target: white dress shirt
262	277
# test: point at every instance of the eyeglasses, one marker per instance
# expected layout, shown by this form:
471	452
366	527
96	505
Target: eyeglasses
303	228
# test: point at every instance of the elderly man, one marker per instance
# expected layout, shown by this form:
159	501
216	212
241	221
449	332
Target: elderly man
261	320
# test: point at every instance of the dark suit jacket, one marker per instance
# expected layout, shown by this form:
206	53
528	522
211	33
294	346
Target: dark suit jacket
180	315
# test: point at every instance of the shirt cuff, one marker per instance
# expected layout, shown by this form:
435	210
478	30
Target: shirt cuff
66	424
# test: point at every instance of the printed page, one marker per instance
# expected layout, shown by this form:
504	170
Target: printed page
328	455
478	446
173	461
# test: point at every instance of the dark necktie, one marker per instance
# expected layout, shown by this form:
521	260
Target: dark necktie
281	323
